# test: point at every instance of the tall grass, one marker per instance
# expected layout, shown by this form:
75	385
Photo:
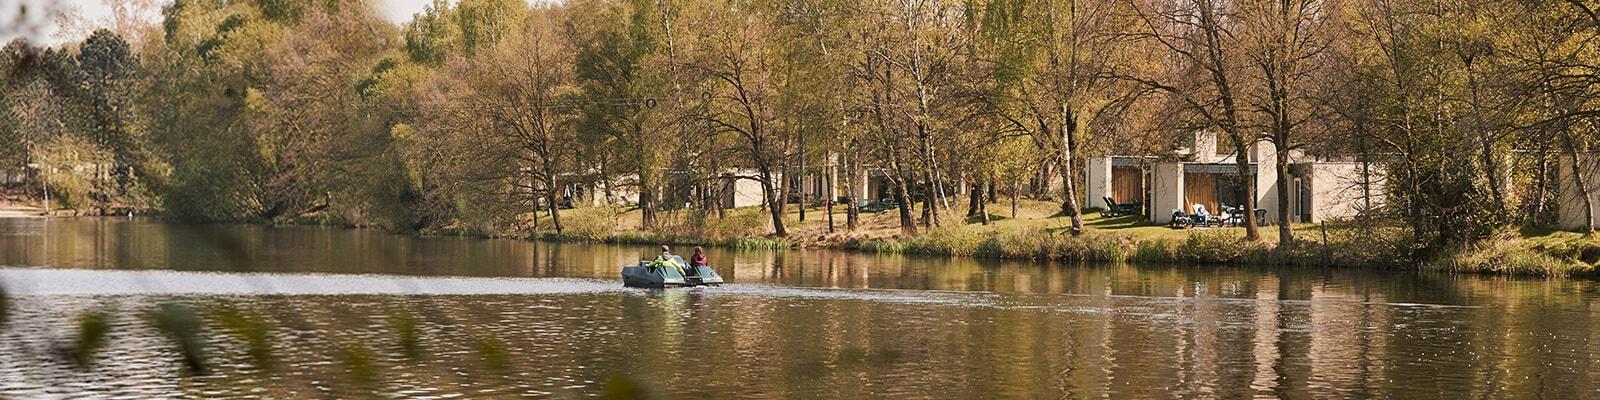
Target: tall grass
739	229
1198	247
1031	244
1509	253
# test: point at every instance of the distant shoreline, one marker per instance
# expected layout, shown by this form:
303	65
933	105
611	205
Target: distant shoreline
1553	254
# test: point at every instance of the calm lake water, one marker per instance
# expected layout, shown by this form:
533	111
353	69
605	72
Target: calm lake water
503	318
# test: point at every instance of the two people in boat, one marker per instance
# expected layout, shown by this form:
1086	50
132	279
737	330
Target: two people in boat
668	260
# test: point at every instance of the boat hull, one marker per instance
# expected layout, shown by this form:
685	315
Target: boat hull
645	276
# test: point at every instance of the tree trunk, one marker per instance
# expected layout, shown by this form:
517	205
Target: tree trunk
724	192
1491	167
974	197
852	210
555	205
647	195
903	199
1014	187
1366	176
1247	190
804	185
776	210
785	186
1069	202
983	201
1542	182
1281	164
927	206
605	180
828	201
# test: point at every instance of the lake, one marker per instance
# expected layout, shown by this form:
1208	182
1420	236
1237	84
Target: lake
505	318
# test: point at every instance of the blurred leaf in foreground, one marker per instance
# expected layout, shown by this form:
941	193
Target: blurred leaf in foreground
5	306
408	332
93	327
252	330
625	388
179	323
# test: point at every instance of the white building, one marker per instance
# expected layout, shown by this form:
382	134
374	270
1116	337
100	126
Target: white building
1320	190
1571	213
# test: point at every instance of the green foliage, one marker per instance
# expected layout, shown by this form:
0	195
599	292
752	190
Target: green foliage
492	352
1155	251
1028	244
212	182
1212	248
94	327
251	329
432	36
284	11
5	306
75	170
1557	255
408	334
626	388
592	224
179	323
360	366
484	23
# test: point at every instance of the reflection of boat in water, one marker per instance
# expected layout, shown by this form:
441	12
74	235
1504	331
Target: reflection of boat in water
648	276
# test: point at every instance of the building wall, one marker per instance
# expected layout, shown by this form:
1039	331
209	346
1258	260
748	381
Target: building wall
1337	192
1570	199
1166	185
13	177
746	193
1205	147
624	189
1098	184
1265	154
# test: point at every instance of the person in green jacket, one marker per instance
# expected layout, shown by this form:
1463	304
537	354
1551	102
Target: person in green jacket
666	259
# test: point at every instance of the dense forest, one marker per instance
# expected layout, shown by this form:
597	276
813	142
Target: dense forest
477	112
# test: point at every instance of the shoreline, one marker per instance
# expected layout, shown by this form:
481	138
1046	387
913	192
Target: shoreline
1525	253
1509	254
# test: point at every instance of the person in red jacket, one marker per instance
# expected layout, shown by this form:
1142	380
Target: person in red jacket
699	258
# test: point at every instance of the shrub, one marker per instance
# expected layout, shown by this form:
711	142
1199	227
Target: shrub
1155	251
737	224
1035	244
1509	253
593	224
1211	248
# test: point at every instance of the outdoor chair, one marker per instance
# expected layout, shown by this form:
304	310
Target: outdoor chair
1114	209
1220	219
1233	216
1200	216
1180	220
1111	208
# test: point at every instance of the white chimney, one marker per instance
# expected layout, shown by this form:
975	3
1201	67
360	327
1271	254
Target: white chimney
1205	146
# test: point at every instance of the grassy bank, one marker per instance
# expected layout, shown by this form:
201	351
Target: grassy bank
1036	233
1531	252
1140	244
